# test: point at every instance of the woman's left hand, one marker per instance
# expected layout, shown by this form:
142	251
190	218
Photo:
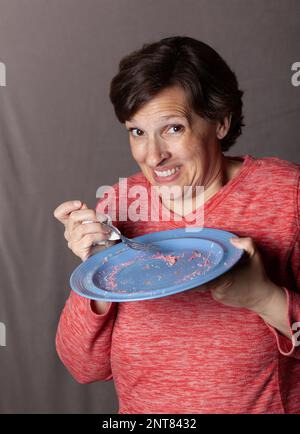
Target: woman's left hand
246	285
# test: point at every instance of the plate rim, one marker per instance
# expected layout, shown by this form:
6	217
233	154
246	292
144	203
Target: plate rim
115	249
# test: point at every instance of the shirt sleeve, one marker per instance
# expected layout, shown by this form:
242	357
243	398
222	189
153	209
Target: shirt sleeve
83	339
286	346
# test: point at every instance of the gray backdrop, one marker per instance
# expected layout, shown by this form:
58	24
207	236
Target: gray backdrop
60	140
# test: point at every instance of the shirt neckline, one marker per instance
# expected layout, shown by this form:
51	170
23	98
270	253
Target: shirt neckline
213	201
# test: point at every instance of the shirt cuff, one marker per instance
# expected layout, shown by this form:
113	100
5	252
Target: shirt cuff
83	307
289	346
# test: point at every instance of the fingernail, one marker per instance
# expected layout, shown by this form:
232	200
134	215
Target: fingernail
77	203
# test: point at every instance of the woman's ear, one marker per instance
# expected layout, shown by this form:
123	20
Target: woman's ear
223	127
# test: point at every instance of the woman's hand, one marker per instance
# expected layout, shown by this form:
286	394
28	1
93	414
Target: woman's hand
246	285
82	236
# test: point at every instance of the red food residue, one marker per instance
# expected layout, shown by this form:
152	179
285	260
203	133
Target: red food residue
169	259
195	254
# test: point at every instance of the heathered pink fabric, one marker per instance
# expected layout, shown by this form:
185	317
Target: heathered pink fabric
187	353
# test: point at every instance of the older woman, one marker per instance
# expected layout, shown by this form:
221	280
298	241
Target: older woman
231	345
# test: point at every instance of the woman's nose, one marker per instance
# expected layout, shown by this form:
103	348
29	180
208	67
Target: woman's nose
156	153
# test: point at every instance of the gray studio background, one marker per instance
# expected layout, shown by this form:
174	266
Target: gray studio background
60	140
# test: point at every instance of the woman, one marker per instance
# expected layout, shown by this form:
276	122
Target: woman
231	345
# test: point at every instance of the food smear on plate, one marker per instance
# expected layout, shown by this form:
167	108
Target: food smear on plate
169	259
196	254
111	277
157	268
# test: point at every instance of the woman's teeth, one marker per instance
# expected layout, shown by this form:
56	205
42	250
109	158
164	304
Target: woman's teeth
167	172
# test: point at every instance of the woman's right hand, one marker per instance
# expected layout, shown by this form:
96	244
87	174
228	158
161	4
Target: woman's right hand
79	235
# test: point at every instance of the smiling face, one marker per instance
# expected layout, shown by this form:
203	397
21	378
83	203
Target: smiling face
174	146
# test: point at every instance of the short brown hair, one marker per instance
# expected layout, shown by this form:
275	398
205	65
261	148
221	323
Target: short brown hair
210	85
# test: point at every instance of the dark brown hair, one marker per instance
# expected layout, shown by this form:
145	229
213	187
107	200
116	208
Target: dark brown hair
210	85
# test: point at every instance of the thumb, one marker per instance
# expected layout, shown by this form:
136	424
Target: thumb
244	243
247	244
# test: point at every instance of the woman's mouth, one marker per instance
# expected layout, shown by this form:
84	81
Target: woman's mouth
166	175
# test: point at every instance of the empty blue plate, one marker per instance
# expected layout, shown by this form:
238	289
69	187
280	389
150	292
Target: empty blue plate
188	258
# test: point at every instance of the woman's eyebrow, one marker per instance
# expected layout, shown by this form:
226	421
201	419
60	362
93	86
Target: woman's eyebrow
172	116
187	117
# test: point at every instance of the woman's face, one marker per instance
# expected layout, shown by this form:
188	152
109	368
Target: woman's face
168	148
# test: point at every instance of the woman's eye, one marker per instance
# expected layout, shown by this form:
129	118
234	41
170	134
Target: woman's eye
136	132
176	128
132	130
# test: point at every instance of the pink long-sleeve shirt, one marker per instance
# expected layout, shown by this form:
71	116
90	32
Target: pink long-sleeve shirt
187	353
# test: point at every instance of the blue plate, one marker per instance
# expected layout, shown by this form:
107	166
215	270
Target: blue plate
189	258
